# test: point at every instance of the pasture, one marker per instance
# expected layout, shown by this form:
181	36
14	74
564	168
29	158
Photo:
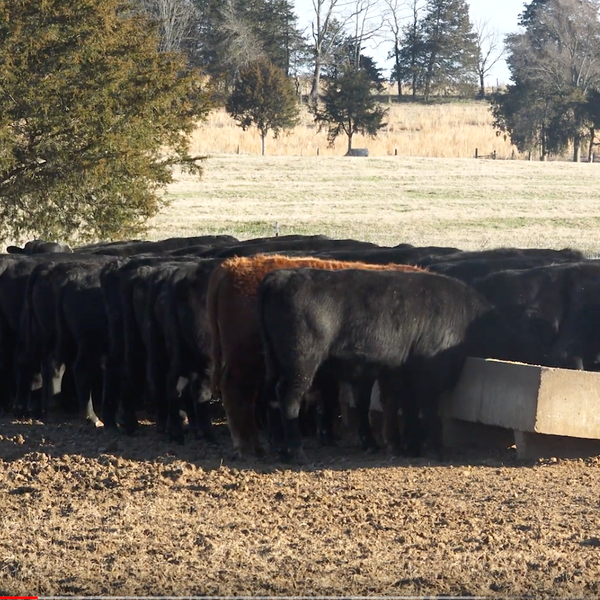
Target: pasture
87	511
468	203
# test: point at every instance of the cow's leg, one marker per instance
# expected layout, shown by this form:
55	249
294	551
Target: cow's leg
290	389
240	388
84	371
49	373
389	392
269	415
202	395
25	377
110	392
362	390
170	414
327	407
429	381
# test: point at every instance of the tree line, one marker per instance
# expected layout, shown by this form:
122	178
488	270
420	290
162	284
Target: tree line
98	97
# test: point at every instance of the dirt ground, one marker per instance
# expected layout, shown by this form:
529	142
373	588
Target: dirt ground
86	511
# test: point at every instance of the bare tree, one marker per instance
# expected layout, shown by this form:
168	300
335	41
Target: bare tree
367	24
393	20
241	47
490	50
176	18
555	64
326	29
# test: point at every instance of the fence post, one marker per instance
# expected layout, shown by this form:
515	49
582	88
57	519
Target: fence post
395	151
238	148
476	153
276	227
317	152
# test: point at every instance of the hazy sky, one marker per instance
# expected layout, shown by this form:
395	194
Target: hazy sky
502	14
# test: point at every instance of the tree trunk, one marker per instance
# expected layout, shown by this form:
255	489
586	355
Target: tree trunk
577	148
481	86
314	90
397	57
263	137
591	146
349	142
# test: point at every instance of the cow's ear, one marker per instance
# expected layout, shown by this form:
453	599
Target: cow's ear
14	250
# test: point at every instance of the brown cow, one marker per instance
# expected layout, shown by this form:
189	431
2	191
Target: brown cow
238	361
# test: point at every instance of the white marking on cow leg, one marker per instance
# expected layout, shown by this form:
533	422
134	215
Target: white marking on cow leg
181	383
205	394
57	380
376	398
91	415
184	418
36	382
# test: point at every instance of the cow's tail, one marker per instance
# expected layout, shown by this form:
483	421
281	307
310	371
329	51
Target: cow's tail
212	306
268	396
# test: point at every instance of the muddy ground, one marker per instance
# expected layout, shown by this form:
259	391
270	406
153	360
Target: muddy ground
86	511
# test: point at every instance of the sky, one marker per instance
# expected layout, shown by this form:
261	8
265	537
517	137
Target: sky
501	14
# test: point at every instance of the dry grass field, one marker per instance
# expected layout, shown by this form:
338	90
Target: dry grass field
451	130
90	512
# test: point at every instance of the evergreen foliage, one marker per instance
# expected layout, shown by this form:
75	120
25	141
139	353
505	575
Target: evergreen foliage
265	98
349	106
92	119
449	46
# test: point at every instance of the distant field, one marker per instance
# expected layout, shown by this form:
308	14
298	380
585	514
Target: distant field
450	130
464	202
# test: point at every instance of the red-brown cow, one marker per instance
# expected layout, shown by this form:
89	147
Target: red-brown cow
238	361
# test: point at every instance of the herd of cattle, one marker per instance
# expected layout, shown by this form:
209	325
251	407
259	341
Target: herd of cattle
270	326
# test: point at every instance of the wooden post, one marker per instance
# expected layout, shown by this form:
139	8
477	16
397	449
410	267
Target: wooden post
476	153
276	227
395	151
530	157
238	149
317	152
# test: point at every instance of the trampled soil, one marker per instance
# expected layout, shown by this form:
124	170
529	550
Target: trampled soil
86	511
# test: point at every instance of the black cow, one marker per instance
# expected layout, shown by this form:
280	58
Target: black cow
577	345
565	255
403	254
539	299
125	370
182	315
82	329
38	333
14	275
402	328
279	245
125	249
554	303
476	268
39	247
